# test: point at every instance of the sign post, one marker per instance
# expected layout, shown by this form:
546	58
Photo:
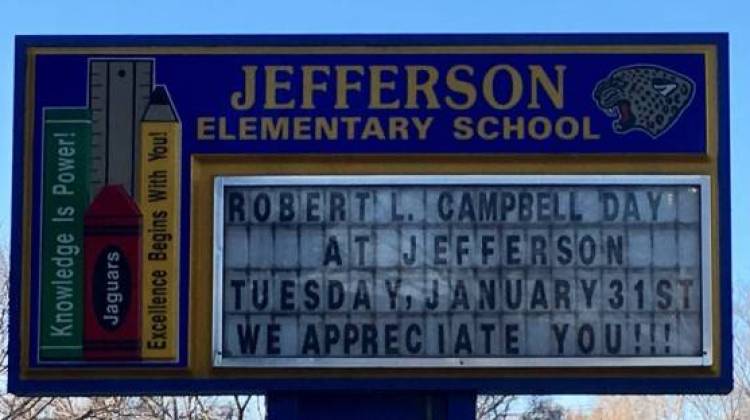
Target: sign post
371	222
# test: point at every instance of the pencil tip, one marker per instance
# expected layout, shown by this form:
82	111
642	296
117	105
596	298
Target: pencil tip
159	96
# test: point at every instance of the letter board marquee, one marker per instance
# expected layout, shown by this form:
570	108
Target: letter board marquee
518	214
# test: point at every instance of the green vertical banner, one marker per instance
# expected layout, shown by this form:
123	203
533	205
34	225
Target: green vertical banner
67	144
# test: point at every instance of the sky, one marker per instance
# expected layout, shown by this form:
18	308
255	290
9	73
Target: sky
390	16
393	16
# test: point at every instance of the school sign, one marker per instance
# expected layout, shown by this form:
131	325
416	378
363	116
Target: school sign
495	213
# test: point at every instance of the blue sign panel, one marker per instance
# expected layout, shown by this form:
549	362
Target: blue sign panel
129	251
429	100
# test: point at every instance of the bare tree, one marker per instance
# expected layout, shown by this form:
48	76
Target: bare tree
183	407
240	403
543	409
639	407
494	407
735	405
12	407
93	408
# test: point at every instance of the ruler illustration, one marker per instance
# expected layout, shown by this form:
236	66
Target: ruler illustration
119	91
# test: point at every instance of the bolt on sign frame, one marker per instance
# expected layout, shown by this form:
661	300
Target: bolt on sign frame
480	213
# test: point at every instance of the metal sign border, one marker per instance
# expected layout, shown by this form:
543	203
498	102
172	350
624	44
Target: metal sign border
221	182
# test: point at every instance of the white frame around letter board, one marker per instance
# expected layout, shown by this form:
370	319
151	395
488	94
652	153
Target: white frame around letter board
457	362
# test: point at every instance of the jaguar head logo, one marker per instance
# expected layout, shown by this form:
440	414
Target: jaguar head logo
644	97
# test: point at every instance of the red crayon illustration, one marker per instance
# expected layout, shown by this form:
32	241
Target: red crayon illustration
112	235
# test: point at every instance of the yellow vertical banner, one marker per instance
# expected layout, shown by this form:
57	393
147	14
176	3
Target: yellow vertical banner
158	198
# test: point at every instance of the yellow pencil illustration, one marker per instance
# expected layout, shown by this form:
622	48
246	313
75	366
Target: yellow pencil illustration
158	198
